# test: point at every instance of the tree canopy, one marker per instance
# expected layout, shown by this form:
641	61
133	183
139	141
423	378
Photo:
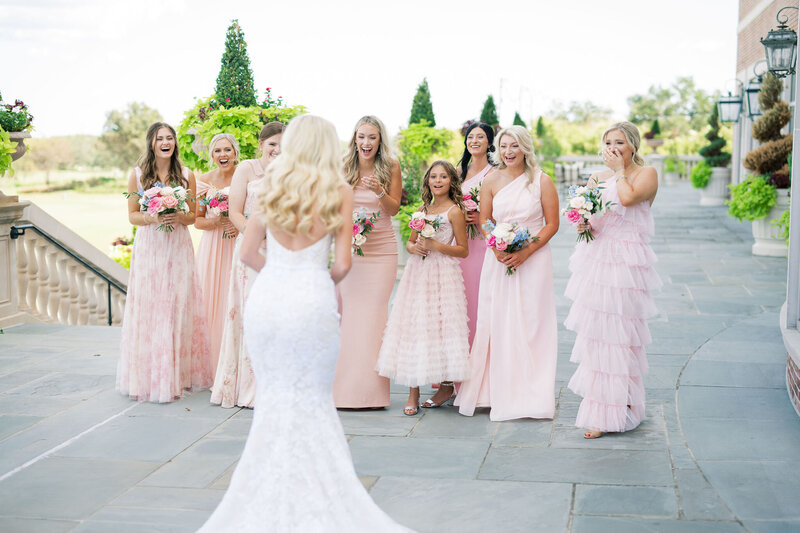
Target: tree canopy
124	132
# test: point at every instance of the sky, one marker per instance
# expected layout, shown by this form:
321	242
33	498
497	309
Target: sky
73	61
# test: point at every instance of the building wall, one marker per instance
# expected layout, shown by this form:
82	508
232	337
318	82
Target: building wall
756	18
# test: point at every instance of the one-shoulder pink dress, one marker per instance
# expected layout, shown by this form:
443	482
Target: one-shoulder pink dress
364	299
164	346
214	258
513	356
472	264
612	277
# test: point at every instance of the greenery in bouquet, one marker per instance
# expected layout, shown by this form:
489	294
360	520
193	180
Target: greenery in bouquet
752	199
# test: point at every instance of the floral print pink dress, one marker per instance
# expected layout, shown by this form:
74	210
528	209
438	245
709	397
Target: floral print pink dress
164	349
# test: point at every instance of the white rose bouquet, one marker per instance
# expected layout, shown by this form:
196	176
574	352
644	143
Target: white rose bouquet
583	202
363	223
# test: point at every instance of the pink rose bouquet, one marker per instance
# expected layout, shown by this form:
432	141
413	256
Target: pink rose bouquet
161	200
508	237
363	223
216	203
472	201
583	202
424	227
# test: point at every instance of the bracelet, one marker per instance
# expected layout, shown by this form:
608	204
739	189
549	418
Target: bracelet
615	170
382	194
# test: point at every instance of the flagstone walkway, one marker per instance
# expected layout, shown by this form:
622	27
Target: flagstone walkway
719	451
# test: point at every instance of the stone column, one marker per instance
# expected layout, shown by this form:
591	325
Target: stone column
10	211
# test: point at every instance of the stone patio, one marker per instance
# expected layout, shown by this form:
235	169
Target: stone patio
719	451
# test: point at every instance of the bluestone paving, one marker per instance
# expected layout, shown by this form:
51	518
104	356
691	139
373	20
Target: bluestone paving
718	451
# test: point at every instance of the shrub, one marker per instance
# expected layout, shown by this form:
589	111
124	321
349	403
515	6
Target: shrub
713	152
770	158
782	223
7	147
751	199
673	164
700	175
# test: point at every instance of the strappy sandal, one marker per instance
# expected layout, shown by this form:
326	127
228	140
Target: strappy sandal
410	410
430	404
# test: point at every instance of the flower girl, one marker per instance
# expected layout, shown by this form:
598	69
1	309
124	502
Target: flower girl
427	339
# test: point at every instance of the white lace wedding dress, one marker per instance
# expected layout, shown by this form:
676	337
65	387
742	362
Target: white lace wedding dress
296	473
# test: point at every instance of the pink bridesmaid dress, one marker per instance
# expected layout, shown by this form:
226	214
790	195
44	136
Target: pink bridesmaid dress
612	277
234	383
164	348
472	264
364	301
513	356
214	259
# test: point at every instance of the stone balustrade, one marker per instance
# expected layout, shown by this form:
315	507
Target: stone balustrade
573	169
61	278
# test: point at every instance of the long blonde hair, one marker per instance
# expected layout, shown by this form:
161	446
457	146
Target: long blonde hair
302	184
383	157
523	138
631	133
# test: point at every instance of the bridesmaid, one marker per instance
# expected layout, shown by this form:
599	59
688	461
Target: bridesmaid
610	287
364	294
164	348
513	356
215	253
234	383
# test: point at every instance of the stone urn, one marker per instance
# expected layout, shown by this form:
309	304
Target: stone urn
198	146
654	144
767	242
19	138
716	190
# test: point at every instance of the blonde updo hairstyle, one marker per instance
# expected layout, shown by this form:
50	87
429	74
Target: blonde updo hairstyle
383	157
631	133
523	138
302	184
230	138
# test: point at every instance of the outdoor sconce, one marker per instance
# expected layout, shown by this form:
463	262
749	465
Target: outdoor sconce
781	46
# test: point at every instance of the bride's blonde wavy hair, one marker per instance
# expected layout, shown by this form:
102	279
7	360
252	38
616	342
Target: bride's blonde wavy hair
631	133
523	138
383	156
302	184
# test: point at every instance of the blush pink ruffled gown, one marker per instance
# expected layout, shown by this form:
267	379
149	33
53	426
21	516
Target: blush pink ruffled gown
610	286
364	301
214	258
234	383
426	338
472	264
164	347
513	356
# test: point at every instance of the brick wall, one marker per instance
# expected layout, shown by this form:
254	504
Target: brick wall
749	47
793	383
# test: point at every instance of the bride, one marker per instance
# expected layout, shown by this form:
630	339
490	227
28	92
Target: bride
296	473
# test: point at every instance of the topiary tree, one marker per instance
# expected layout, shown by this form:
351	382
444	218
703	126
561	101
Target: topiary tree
489	113
421	107
770	158
713	152
518	120
655	128
235	85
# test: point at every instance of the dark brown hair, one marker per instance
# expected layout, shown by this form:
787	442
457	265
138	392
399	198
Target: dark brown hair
147	161
455	186
270	129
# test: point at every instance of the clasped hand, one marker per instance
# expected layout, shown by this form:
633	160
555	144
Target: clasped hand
421	246
511	260
167	219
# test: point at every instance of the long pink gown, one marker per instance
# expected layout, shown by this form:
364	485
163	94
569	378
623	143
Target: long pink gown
513	357
234	383
426	338
164	347
214	258
364	300
472	264
610	286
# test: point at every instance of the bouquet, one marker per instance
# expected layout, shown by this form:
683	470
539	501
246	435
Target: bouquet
216	203
426	228
472	202
508	237
161	200
582	202
363	223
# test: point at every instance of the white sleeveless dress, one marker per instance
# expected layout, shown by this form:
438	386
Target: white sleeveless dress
296	472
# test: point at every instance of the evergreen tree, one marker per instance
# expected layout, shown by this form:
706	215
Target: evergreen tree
489	113
235	81
421	108
540	128
518	120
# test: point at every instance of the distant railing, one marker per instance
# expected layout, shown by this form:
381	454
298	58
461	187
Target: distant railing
63	279
572	169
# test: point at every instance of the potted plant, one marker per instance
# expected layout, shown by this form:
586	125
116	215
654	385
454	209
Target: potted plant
771	161
714	188
652	137
15	125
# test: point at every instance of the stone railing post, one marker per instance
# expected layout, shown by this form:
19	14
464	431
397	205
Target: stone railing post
10	211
